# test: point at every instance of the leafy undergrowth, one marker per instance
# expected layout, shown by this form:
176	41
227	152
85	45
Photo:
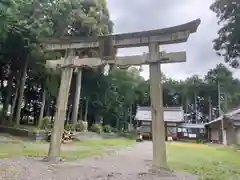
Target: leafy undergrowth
209	163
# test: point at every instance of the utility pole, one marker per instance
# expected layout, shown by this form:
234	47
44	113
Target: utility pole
195	104
130	117
210	108
220	110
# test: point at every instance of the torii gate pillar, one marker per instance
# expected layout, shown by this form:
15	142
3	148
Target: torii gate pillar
158	126
61	107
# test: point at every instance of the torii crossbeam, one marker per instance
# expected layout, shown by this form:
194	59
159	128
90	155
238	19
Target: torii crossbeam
137	60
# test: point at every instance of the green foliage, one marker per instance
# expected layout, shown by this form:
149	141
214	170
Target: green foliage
47	123
68	127
112	95
199	141
107	129
81	126
114	130
96	128
227	43
24	23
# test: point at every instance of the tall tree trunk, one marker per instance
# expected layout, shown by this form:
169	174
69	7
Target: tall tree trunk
210	108
195	106
118	124
225	103
69	110
1	79
48	108
131	117
2	84
81	111
14	102
76	99
187	104
43	101
125	123
7	99
21	91
86	110
13	105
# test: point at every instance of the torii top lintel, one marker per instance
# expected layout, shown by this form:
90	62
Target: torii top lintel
171	35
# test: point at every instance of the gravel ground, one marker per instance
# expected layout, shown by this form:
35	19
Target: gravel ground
132	163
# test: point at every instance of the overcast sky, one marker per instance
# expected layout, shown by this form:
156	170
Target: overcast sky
138	15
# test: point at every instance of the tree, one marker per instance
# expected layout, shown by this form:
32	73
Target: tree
227	43
84	18
24	22
229	87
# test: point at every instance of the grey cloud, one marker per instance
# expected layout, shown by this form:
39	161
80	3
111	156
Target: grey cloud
141	14
137	15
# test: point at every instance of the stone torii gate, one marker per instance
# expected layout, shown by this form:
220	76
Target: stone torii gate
107	46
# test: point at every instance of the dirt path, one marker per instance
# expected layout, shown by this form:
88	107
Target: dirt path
131	163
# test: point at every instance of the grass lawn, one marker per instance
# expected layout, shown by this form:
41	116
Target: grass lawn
208	162
17	147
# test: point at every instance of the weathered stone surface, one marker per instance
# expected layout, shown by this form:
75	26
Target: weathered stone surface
174	57
171	35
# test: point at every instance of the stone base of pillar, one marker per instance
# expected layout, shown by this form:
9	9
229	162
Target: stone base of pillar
53	159
162	171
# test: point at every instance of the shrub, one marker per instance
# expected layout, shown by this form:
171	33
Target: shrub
47	123
82	126
96	128
107	129
68	127
200	140
115	130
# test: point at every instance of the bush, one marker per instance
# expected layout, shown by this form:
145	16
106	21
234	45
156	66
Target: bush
47	123
68	127
96	128
115	130
81	126
200	140
107	129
